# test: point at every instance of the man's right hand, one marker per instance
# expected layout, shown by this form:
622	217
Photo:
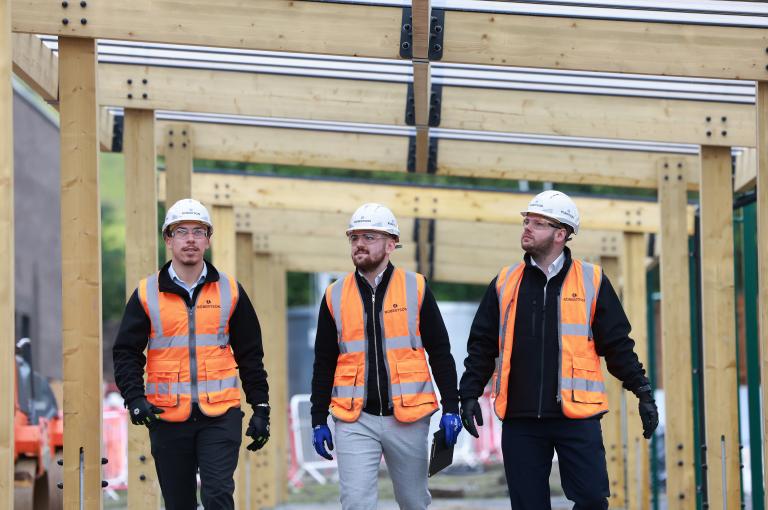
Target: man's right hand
142	412
470	412
321	435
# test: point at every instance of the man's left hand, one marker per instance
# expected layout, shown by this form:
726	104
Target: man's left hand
451	424
649	414
258	428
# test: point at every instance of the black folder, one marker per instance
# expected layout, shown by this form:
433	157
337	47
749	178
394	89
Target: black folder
441	456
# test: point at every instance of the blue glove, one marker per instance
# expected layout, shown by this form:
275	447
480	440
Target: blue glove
320	436
451	424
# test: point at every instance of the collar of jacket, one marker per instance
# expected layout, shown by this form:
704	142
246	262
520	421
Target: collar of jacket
566	262
165	283
362	283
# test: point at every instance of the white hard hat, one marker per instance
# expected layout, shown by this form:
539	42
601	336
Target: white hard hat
374	217
557	206
187	209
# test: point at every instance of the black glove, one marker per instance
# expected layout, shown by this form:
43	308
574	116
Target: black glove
258	428
470	412
649	413
142	412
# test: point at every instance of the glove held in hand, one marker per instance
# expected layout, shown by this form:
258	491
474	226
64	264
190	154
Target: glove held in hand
321	435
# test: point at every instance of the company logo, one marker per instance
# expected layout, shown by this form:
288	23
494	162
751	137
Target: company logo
574	297
395	308
208	304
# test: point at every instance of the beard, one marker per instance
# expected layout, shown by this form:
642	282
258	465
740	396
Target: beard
369	262
537	248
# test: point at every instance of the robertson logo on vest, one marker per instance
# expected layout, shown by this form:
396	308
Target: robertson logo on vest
574	297
396	309
208	304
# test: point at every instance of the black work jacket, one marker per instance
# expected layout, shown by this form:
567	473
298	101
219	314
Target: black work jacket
434	337
244	337
532	390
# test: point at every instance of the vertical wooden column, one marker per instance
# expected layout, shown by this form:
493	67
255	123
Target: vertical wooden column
140	261
613	423
676	337
225	259
81	273
245	496
179	163
7	305
635	305
223	239
719	330
270	473
762	254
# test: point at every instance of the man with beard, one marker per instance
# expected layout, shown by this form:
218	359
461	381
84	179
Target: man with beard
540	329
373	330
199	330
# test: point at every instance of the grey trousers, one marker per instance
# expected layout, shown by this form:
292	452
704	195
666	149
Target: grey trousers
359	447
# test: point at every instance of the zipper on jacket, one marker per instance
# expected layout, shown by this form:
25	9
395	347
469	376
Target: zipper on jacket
376	350
543	346
192	352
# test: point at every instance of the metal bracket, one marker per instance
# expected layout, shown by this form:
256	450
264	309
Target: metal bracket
436	31
117	133
435	100
432	162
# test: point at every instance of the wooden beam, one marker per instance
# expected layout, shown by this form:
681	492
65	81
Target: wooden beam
264	95
275	25
719	329
81	274
600	116
297	147
373	31
179	163
7	273
474	108
614	424
745	171
312	224
223	246
37	65
457	157
420	201
762	248
140	260
107	129
269	300
676	364
635	304
605	45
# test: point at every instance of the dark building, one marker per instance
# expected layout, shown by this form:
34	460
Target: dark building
37	230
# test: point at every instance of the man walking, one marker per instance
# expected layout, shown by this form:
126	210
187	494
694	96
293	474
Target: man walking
374	327
199	330
540	329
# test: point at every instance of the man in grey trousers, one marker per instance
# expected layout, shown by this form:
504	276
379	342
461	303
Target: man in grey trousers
374	329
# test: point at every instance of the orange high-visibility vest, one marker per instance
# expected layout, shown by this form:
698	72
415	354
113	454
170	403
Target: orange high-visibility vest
580	380
189	358
411	393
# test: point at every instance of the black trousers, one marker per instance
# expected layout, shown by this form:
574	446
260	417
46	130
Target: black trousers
208	444
528	444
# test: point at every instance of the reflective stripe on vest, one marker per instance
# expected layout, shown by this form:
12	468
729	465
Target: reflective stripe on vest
411	393
581	387
189	359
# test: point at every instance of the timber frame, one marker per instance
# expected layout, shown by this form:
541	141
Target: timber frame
365	125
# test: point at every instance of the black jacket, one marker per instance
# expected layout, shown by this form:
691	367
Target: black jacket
532	389
434	337
244	337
